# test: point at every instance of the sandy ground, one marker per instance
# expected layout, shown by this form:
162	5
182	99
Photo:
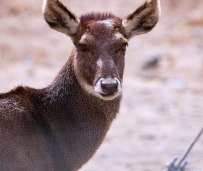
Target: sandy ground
162	107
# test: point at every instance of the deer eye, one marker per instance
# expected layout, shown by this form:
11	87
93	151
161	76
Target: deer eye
123	48
82	48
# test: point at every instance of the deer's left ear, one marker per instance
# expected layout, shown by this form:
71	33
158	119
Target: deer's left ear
143	19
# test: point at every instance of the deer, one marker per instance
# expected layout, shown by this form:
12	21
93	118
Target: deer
61	126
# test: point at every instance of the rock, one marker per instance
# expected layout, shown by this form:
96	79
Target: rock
151	63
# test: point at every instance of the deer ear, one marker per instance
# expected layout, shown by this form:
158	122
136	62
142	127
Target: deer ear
143	19
59	17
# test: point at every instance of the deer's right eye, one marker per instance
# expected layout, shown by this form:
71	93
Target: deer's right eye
123	48
82	48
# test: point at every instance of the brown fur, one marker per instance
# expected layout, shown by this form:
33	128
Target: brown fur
59	128
56	128
85	19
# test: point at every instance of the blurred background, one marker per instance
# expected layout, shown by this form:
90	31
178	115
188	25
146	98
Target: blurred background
162	107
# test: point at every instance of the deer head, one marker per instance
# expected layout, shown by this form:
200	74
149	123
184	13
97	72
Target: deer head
100	43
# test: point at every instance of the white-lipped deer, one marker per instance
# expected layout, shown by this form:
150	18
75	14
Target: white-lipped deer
59	128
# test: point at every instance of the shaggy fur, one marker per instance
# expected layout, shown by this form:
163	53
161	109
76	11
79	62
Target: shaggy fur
59	127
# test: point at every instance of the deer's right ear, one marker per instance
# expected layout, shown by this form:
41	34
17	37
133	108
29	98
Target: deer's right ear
59	17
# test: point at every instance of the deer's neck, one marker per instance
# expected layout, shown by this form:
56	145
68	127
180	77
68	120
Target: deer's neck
63	84
79	121
68	96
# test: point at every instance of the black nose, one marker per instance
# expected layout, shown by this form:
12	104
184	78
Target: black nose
109	88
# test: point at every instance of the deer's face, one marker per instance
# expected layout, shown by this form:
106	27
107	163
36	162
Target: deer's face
100	41
100	61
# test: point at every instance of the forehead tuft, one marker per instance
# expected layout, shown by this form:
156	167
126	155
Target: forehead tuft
107	23
106	19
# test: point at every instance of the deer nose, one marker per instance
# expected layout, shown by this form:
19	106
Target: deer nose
109	87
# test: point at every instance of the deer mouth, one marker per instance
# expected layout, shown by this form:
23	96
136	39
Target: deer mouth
107	95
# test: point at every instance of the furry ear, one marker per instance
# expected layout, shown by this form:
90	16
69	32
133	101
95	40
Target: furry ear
143	19
59	17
